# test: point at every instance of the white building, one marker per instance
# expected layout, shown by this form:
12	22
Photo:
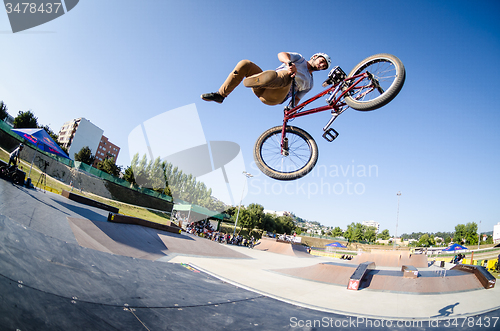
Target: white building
277	213
496	233
372	224
79	133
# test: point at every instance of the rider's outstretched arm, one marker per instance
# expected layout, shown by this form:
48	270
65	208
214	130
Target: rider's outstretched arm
284	57
287	58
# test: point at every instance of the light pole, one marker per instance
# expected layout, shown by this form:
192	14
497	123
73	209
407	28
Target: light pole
247	175
397	219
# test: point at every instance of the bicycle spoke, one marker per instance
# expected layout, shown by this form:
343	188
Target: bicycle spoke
298	153
382	71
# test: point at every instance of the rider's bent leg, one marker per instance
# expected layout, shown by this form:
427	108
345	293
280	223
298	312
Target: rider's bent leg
269	79
244	68
277	92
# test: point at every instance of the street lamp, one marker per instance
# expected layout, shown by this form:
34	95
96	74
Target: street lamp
247	175
397	219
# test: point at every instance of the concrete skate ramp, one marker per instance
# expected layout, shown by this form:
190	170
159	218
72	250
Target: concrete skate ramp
429	282
392	259
274	246
143	242
50	284
300	250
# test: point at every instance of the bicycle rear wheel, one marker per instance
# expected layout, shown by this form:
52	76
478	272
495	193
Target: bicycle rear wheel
387	70
298	161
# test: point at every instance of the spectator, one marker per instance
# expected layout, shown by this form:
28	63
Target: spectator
14	156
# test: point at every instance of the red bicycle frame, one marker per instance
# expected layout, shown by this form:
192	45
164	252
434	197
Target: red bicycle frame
335	103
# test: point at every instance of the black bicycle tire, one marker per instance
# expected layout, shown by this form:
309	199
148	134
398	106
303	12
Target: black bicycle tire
389	94
279	175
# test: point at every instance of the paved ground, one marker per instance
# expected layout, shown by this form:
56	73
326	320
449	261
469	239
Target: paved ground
268	276
62	266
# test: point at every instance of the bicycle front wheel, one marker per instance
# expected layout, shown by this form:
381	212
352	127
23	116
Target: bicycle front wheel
296	161
387	76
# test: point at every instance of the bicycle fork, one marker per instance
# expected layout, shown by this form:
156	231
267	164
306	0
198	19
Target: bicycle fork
284	141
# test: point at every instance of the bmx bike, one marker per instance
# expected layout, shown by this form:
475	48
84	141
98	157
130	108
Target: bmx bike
287	152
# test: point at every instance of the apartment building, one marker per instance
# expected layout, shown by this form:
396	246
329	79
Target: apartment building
80	132
106	150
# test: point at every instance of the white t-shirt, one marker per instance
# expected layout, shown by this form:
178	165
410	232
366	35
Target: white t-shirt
303	78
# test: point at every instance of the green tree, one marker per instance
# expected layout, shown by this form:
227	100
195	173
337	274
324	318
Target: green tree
3	111
256	212
471	236
140	170
349	232
242	217
109	166
355	232
337	232
370	234
286	224
426	241
129	176
359	232
268	223
85	156
26	119
384	235
460	235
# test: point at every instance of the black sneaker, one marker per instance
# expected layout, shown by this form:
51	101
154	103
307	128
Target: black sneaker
215	96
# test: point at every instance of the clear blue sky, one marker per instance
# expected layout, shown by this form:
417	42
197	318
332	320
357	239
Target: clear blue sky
119	63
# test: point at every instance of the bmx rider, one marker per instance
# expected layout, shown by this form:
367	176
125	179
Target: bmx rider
272	87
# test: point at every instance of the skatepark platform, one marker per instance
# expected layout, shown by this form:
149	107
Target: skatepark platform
63	266
368	277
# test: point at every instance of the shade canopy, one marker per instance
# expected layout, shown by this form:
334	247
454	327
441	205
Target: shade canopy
199	210
335	244
41	139
454	247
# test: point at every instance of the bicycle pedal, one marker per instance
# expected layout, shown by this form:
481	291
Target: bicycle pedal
330	135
